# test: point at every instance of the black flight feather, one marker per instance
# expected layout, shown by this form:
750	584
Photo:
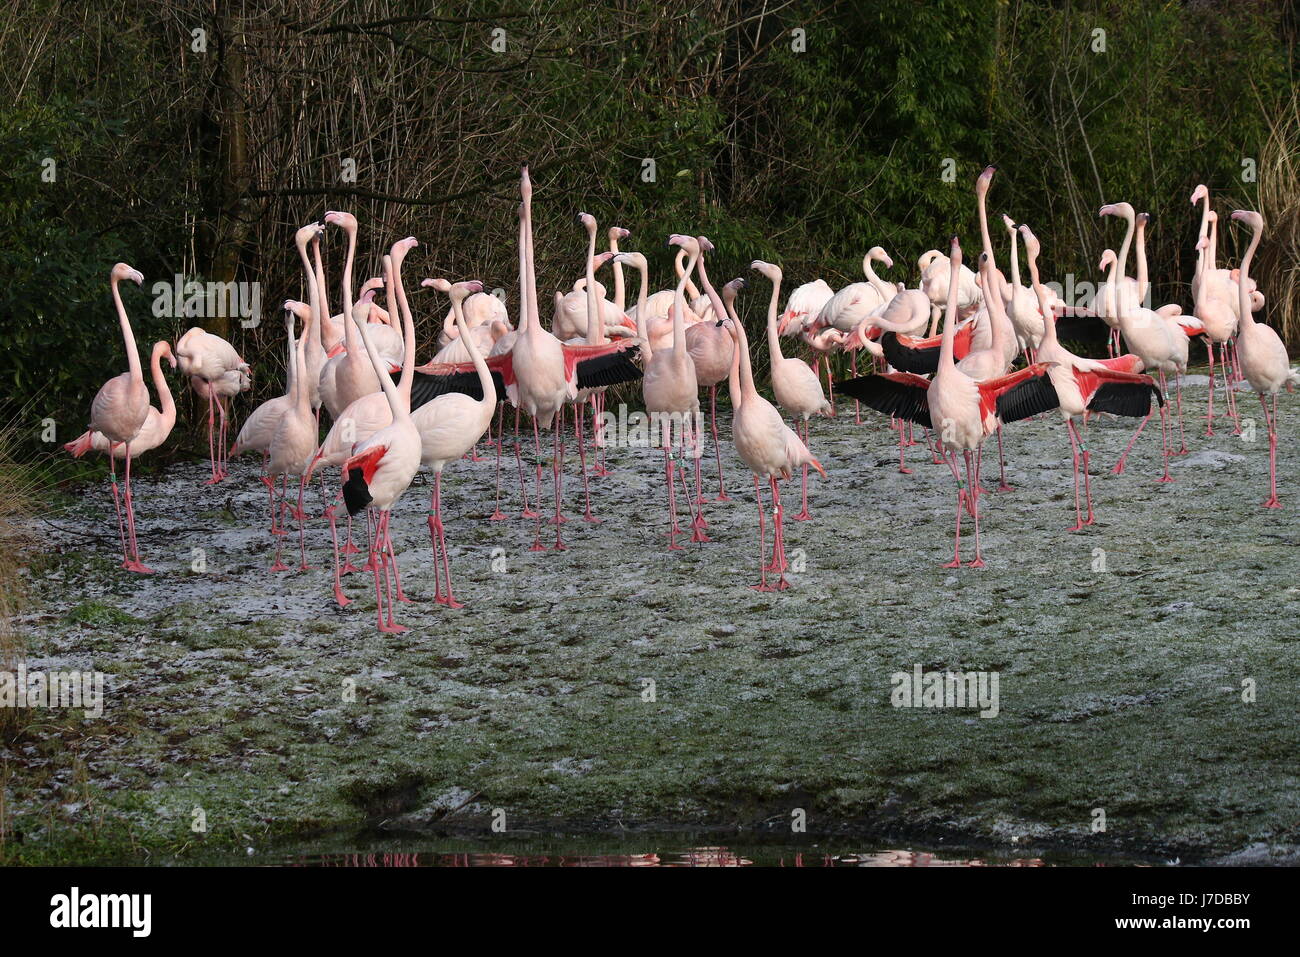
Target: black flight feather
890	397
1131	399
356	494
1036	394
609	369
426	387
904	359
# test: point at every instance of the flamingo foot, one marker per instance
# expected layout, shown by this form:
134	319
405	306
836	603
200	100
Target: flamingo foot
1004	487
803	516
723	497
342	599
1164	478
450	602
955	563
1271	502
588	517
279	566
1118	469
135	565
905	470
393	629
978	563
497	516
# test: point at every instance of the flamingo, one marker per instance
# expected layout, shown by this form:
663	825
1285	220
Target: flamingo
119	412
449	426
1214	304
351	372
670	388
380	471
711	348
157	426
963	410
1264	361
208	358
294	441
796	387
768	447
1076	385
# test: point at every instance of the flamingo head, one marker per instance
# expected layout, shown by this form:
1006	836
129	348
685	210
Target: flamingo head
731	289
705	245
1107	258
1248	216
1008	222
1200	193
954	250
600	259
306	234
769	270
525	184
689	244
123	271
345	220
463	290
1032	245
878	254
634	259
588	222
618	234
1117	209
1143	219
401	248
1203	243
439	284
984	180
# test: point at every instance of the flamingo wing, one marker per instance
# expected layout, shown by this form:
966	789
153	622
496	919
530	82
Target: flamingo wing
360	469
1119	393
1019	395
439	378
597	365
921	356
900	394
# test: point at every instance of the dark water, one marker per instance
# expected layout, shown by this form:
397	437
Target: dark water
659	850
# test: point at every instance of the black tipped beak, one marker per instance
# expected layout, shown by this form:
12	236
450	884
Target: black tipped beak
719	324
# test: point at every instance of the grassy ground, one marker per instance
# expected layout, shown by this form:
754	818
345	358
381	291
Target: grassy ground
1121	689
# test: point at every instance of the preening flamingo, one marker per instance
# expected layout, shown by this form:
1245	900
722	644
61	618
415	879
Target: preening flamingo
210	358
119	411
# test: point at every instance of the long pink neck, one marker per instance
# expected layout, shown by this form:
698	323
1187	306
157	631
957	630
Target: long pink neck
128	337
166	404
947	342
408	330
595	314
1246	320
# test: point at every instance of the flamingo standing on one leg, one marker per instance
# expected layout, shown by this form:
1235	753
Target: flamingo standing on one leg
796	386
768	447
1263	357
119	411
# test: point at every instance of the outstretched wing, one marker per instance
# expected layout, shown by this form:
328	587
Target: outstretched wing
1121	393
439	378
922	355
1018	395
900	394
608	364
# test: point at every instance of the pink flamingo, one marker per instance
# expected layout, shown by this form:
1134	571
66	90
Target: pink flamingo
1076	385
711	348
119	411
209	358
449	426
796	386
380	471
768	447
1263	356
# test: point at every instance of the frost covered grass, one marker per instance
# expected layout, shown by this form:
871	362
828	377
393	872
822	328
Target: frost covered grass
249	701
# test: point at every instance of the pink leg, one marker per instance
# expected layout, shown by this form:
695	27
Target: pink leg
669	469
762	548
902	464
117	505
951	459
717	449
1074	452
342	599
1272	500
302	534
804	515
1164	432
1119	466
857	406
1209	411
578	416
498	515
1002	467
449	599
1228	362
979	559
778	546
557	470
698	524
1182	438
279	565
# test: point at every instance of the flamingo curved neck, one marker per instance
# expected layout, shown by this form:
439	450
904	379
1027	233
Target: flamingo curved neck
128	337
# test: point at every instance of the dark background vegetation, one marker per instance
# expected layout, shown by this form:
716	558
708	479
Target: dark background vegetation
203	163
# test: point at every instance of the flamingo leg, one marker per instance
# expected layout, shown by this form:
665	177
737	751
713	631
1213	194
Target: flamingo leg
979	559
579	414
1075	442
1228	361
1165	429
302	534
1119	466
1272	500
857	406
698	524
804	515
117	503
498	515
1182	438
951	459
281	532
902	464
1209	411
762	561
519	464
341	599
672	495
1002	465
717	449
778	543
435	506
436	526
557	470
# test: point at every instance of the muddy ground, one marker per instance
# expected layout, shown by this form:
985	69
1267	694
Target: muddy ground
1121	682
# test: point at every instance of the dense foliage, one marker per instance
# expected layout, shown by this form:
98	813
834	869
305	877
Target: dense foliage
191	138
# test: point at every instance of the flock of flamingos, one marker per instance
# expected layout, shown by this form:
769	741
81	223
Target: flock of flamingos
959	386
